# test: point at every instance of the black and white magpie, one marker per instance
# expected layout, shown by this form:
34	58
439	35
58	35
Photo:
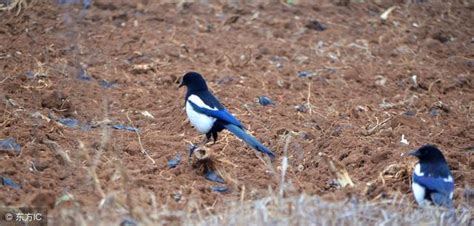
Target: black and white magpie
432	180
209	116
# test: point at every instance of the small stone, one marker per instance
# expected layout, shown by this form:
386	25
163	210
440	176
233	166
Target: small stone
315	25
220	189
300	168
301	108
177	196
264	100
305	74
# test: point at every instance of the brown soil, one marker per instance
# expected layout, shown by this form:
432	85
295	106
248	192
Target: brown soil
361	75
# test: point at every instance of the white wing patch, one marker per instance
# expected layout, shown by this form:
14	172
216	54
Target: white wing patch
201	122
418	170
449	179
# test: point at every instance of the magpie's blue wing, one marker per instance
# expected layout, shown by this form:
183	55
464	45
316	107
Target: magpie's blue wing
437	184
222	114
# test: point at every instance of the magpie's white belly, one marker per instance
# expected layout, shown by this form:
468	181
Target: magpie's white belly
201	122
419	192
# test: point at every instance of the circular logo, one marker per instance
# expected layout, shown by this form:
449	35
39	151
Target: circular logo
8	216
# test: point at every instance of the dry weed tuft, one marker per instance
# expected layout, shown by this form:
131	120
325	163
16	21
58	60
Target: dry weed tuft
19	4
338	170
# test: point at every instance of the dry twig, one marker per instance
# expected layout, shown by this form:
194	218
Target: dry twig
376	127
144	151
58	150
20	4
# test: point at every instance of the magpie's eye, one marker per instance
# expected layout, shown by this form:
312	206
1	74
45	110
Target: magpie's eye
424	152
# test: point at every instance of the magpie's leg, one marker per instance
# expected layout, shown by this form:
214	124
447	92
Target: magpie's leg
214	136
206	139
191	150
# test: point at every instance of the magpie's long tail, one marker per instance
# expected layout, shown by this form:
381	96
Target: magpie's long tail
249	139
441	199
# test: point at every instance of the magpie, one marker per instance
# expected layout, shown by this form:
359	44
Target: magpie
209	116
432	180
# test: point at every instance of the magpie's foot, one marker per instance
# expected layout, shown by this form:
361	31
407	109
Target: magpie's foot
191	149
204	142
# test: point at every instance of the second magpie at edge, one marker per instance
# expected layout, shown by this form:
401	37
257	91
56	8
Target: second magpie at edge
432	179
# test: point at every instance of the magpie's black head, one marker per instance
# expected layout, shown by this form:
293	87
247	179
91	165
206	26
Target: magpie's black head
194	81
428	153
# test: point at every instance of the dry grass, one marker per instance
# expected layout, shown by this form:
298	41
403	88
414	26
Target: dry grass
312	210
297	210
16	4
276	208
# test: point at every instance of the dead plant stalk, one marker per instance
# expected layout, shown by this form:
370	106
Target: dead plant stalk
140	143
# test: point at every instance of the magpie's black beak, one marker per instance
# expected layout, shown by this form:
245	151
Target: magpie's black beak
413	153
180	82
